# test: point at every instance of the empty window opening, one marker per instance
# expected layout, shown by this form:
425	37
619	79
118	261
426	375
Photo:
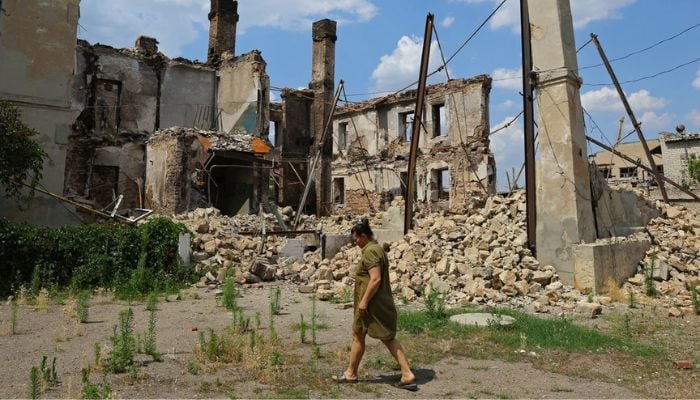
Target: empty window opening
342	135
339	190
439	120
606	172
272	134
440	184
628	172
406	125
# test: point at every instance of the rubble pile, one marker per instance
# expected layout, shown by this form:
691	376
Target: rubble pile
674	258
477	257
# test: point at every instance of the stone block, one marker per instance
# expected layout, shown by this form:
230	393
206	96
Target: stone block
331	244
293	248
595	263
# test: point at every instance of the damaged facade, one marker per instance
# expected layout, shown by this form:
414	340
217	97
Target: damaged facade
372	141
106	103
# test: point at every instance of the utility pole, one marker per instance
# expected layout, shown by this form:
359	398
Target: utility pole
529	127
417	119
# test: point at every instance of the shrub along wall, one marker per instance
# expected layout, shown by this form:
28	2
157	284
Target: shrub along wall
132	260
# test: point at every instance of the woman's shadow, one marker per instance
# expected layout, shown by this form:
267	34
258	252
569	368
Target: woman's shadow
423	376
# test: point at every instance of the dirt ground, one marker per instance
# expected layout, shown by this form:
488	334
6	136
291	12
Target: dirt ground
54	333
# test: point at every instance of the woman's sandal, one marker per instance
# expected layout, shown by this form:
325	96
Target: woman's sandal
411	387
344	379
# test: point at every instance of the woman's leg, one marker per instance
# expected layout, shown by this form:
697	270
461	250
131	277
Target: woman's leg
397	352
357	350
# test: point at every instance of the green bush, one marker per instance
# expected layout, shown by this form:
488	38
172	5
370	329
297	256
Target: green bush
133	260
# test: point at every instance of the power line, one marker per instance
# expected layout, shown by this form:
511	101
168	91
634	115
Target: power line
655	75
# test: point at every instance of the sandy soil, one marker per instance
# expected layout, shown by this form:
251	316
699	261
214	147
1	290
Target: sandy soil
55	333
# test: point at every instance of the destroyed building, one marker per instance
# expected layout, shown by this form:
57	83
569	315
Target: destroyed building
96	106
372	140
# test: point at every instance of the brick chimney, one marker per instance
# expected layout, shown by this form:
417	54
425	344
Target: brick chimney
223	19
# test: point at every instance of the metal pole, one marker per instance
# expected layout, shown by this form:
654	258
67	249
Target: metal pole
636	124
417	117
529	127
642	166
317	157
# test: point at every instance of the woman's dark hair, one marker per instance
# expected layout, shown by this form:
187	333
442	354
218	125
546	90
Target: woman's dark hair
362	228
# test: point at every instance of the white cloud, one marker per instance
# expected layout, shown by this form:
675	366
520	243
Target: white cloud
583	12
694	118
401	67
177	23
506	104
507	78
508	148
696	81
652	123
448	21
606	99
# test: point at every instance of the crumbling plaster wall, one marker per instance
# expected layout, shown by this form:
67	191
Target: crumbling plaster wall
37	42
188	96
462	148
244	95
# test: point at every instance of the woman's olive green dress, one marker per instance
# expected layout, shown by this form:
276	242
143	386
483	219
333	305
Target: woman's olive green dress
380	321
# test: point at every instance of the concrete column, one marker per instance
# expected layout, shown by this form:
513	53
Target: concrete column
564	210
322	84
223	19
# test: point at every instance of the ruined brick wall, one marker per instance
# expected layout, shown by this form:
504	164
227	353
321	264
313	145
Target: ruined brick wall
322	84
356	202
167	174
461	147
294	140
223	19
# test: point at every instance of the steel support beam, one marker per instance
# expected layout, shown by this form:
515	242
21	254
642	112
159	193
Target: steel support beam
637	126
417	118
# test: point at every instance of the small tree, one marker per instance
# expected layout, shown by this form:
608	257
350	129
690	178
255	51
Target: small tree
694	168
21	158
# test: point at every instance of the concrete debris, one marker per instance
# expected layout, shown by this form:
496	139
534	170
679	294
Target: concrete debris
478	257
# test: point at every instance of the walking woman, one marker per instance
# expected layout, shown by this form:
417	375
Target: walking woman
374	312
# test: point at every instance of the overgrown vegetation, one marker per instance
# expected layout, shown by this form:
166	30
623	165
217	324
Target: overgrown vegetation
21	158
694	168
132	260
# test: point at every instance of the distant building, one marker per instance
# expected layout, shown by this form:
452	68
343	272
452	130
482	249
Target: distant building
617	170
677	149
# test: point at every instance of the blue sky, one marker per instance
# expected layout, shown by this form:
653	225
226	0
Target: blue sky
379	42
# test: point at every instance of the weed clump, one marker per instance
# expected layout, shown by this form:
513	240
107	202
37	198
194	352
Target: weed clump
92	391
82	306
152	302
14	317
230	294
42	377
123	342
694	299
435	303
